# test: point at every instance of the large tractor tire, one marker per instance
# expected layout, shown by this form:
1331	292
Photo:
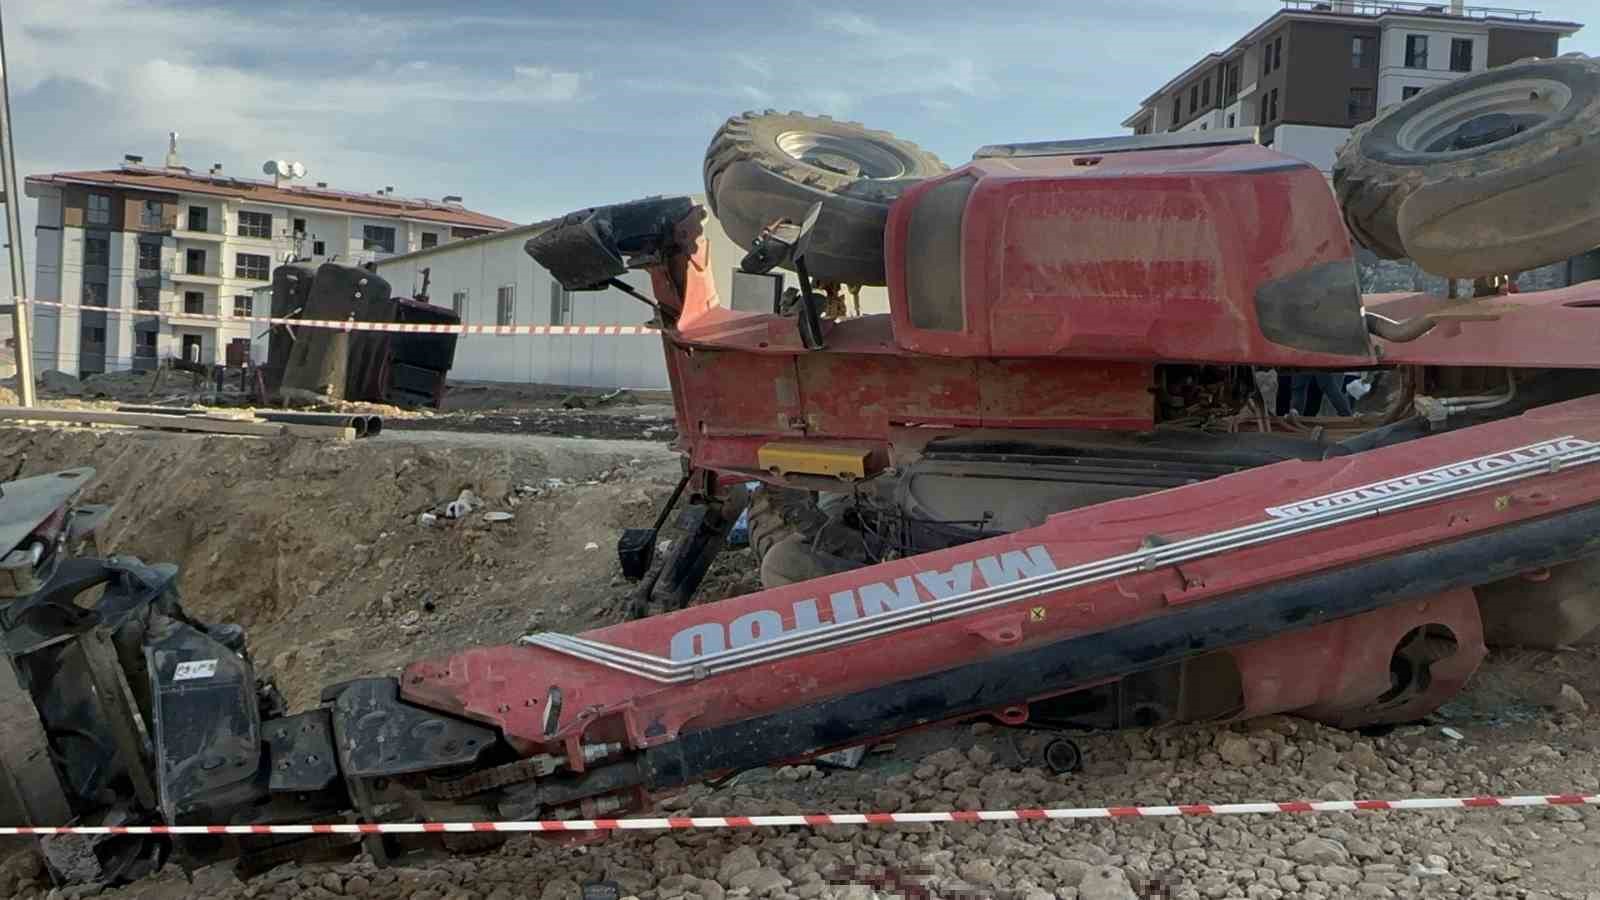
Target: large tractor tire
1487	175
762	167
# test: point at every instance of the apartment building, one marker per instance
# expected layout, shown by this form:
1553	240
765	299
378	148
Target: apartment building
1312	70
196	246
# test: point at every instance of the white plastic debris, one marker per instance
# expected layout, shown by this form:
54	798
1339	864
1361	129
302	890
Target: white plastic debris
591	546
427	519
1452	734
410	619
462	505
498	516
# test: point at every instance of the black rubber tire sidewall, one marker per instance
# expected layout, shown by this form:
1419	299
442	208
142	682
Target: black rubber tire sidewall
1373	177
751	182
1380	143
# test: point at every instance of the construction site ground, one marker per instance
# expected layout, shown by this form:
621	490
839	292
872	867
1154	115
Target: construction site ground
320	550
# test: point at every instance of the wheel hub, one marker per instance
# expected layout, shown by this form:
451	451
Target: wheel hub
856	157
1477	118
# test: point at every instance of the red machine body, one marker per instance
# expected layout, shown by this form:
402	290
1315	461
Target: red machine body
1065	283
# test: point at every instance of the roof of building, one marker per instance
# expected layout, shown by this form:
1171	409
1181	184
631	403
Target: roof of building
164	180
1366	11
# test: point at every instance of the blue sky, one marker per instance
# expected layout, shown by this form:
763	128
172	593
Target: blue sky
531	109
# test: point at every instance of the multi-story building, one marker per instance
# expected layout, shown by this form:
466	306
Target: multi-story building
1316	68
195	247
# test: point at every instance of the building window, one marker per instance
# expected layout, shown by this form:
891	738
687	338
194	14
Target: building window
149	255
560	305
1406	93
506	305
318	248
99	209
94	293
1358	52
1416	51
458	304
1360	107
1205	93
254	266
95	335
1461	55
300	227
150	216
144	343
377	237
1177	109
199	218
1277	54
194	303
1272	106
1194	99
96	251
255	224
1233	82
242	305
1232	120
430	239
148	298
194	262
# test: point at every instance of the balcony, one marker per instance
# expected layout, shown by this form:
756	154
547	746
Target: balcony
213	236
1410	7
180	276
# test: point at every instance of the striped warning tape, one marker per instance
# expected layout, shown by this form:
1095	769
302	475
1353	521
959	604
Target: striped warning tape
351	325
905	818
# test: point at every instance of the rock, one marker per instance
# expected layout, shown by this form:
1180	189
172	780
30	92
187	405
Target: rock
980	872
332	883
1318	851
759	882
1569	700
710	890
980	757
1106	883
1235	749
1361	848
741	860
631	881
358	887
556	889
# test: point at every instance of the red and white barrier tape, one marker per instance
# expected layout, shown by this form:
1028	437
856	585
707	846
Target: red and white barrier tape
906	818
349	325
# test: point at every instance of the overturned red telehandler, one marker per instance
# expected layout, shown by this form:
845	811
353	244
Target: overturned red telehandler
1044	487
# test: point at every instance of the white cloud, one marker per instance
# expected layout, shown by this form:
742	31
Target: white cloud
543	84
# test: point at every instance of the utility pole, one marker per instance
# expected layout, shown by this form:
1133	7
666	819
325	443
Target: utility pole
19	280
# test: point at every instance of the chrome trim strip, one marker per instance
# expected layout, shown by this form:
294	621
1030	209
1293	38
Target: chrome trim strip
668	671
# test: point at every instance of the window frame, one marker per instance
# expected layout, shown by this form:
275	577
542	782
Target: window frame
460	302
1359	111
428	240
1358	51
141	259
257	227
505	304
1455	46
1194	98
94	214
139	295
249	305
1205	93
205	219
199	309
188	255
1408	91
103	258
377	244
146	218
1413	59
241	266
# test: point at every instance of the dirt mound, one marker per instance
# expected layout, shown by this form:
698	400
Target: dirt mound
318	549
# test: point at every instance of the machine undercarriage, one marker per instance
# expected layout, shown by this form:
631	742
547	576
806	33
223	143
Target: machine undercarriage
1046	487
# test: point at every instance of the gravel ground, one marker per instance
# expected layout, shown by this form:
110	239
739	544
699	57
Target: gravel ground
1517	733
